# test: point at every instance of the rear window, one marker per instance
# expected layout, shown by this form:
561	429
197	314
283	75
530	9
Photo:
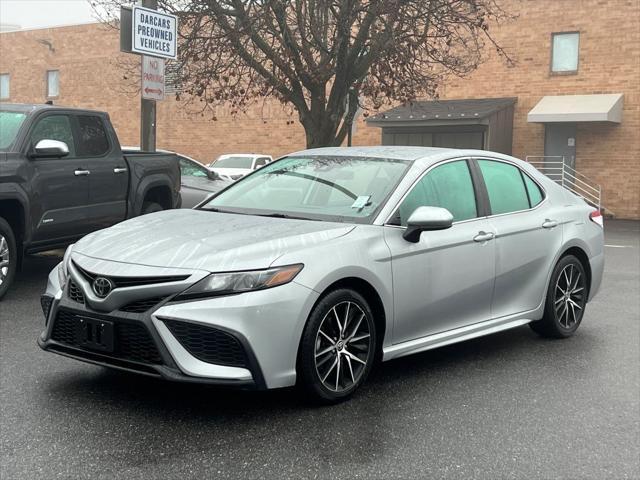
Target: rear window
93	141
505	186
10	123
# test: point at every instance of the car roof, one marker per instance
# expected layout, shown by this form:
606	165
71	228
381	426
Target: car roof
427	155
34	107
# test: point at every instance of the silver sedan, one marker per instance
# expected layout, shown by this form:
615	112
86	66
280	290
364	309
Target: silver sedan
309	269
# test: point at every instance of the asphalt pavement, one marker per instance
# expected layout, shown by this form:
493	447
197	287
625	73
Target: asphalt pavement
511	405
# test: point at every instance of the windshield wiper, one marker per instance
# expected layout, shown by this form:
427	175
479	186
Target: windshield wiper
284	215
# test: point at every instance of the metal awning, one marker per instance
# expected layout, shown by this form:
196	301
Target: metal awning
441	112
578	108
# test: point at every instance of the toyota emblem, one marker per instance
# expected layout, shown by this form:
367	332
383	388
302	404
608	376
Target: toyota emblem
102	286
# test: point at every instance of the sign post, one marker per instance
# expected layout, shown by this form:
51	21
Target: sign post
153	36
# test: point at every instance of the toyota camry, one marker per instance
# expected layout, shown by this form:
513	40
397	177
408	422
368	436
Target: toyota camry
311	269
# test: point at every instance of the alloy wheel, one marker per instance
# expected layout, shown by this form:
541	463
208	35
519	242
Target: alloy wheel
4	259
343	345
569	296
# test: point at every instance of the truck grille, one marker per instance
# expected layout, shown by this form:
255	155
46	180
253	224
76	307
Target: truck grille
208	344
132	340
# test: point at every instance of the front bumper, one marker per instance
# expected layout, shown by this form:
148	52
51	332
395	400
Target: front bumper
265	326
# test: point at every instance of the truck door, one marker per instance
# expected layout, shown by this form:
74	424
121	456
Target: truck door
109	177
60	185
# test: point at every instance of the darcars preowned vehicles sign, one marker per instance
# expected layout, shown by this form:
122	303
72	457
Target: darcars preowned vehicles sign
154	33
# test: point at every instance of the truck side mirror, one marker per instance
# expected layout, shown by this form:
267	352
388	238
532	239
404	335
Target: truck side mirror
50	148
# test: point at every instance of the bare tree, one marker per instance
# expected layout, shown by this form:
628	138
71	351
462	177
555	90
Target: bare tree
323	57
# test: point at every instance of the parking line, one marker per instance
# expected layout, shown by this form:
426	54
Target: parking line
619	246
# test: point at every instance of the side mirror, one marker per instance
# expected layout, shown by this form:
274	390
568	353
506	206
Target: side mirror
50	148
424	219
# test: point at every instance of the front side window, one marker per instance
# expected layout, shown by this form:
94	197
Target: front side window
564	52
350	189
93	141
53	83
5	84
54	127
261	162
447	186
505	187
190	169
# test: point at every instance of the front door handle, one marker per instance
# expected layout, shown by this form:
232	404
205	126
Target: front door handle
484	236
549	223
80	173
119	170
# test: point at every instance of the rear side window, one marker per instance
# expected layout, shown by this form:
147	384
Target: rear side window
505	186
448	186
54	127
93	141
535	194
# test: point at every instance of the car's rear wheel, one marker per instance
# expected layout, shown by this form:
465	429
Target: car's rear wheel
338	344
8	257
566	300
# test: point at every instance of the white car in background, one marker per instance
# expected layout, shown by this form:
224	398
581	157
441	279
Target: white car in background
237	165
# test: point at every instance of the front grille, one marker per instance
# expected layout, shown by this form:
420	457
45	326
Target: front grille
141	306
121	282
208	344
45	302
132	340
75	293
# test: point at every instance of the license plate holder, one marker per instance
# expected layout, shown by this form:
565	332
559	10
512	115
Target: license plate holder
95	334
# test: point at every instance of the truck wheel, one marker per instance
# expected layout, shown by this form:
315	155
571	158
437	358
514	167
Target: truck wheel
8	257
150	207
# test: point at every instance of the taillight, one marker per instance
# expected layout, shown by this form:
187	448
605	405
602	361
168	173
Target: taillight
596	217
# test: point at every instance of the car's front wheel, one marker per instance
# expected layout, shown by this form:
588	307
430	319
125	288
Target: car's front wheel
566	300
8	257
338	344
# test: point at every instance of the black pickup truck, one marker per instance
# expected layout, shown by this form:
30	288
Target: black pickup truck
63	175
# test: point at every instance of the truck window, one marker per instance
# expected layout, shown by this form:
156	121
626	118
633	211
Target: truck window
93	140
54	127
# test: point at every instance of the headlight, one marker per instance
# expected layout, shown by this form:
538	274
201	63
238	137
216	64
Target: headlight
237	282
62	275
63	268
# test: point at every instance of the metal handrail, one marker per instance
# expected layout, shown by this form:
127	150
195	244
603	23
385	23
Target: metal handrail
568	177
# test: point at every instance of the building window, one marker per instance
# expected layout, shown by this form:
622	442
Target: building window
564	52
53	83
4	86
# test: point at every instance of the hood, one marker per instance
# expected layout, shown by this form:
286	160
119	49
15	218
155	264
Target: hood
197	239
205	184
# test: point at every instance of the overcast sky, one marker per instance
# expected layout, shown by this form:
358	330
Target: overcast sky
45	13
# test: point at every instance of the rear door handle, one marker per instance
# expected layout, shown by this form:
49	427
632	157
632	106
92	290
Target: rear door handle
484	236
119	170
80	173
549	223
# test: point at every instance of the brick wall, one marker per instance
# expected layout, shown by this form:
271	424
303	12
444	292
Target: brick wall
87	57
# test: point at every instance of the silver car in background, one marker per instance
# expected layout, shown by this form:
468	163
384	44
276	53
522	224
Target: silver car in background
309	269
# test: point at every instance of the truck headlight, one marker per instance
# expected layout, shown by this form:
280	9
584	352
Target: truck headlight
237	282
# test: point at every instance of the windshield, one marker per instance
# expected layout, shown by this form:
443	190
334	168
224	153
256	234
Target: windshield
10	123
348	189
233	162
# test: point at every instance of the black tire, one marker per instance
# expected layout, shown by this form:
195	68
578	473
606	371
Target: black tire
8	252
151	207
358	339
564	307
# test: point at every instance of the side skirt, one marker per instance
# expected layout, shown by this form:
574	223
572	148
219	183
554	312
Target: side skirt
457	335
